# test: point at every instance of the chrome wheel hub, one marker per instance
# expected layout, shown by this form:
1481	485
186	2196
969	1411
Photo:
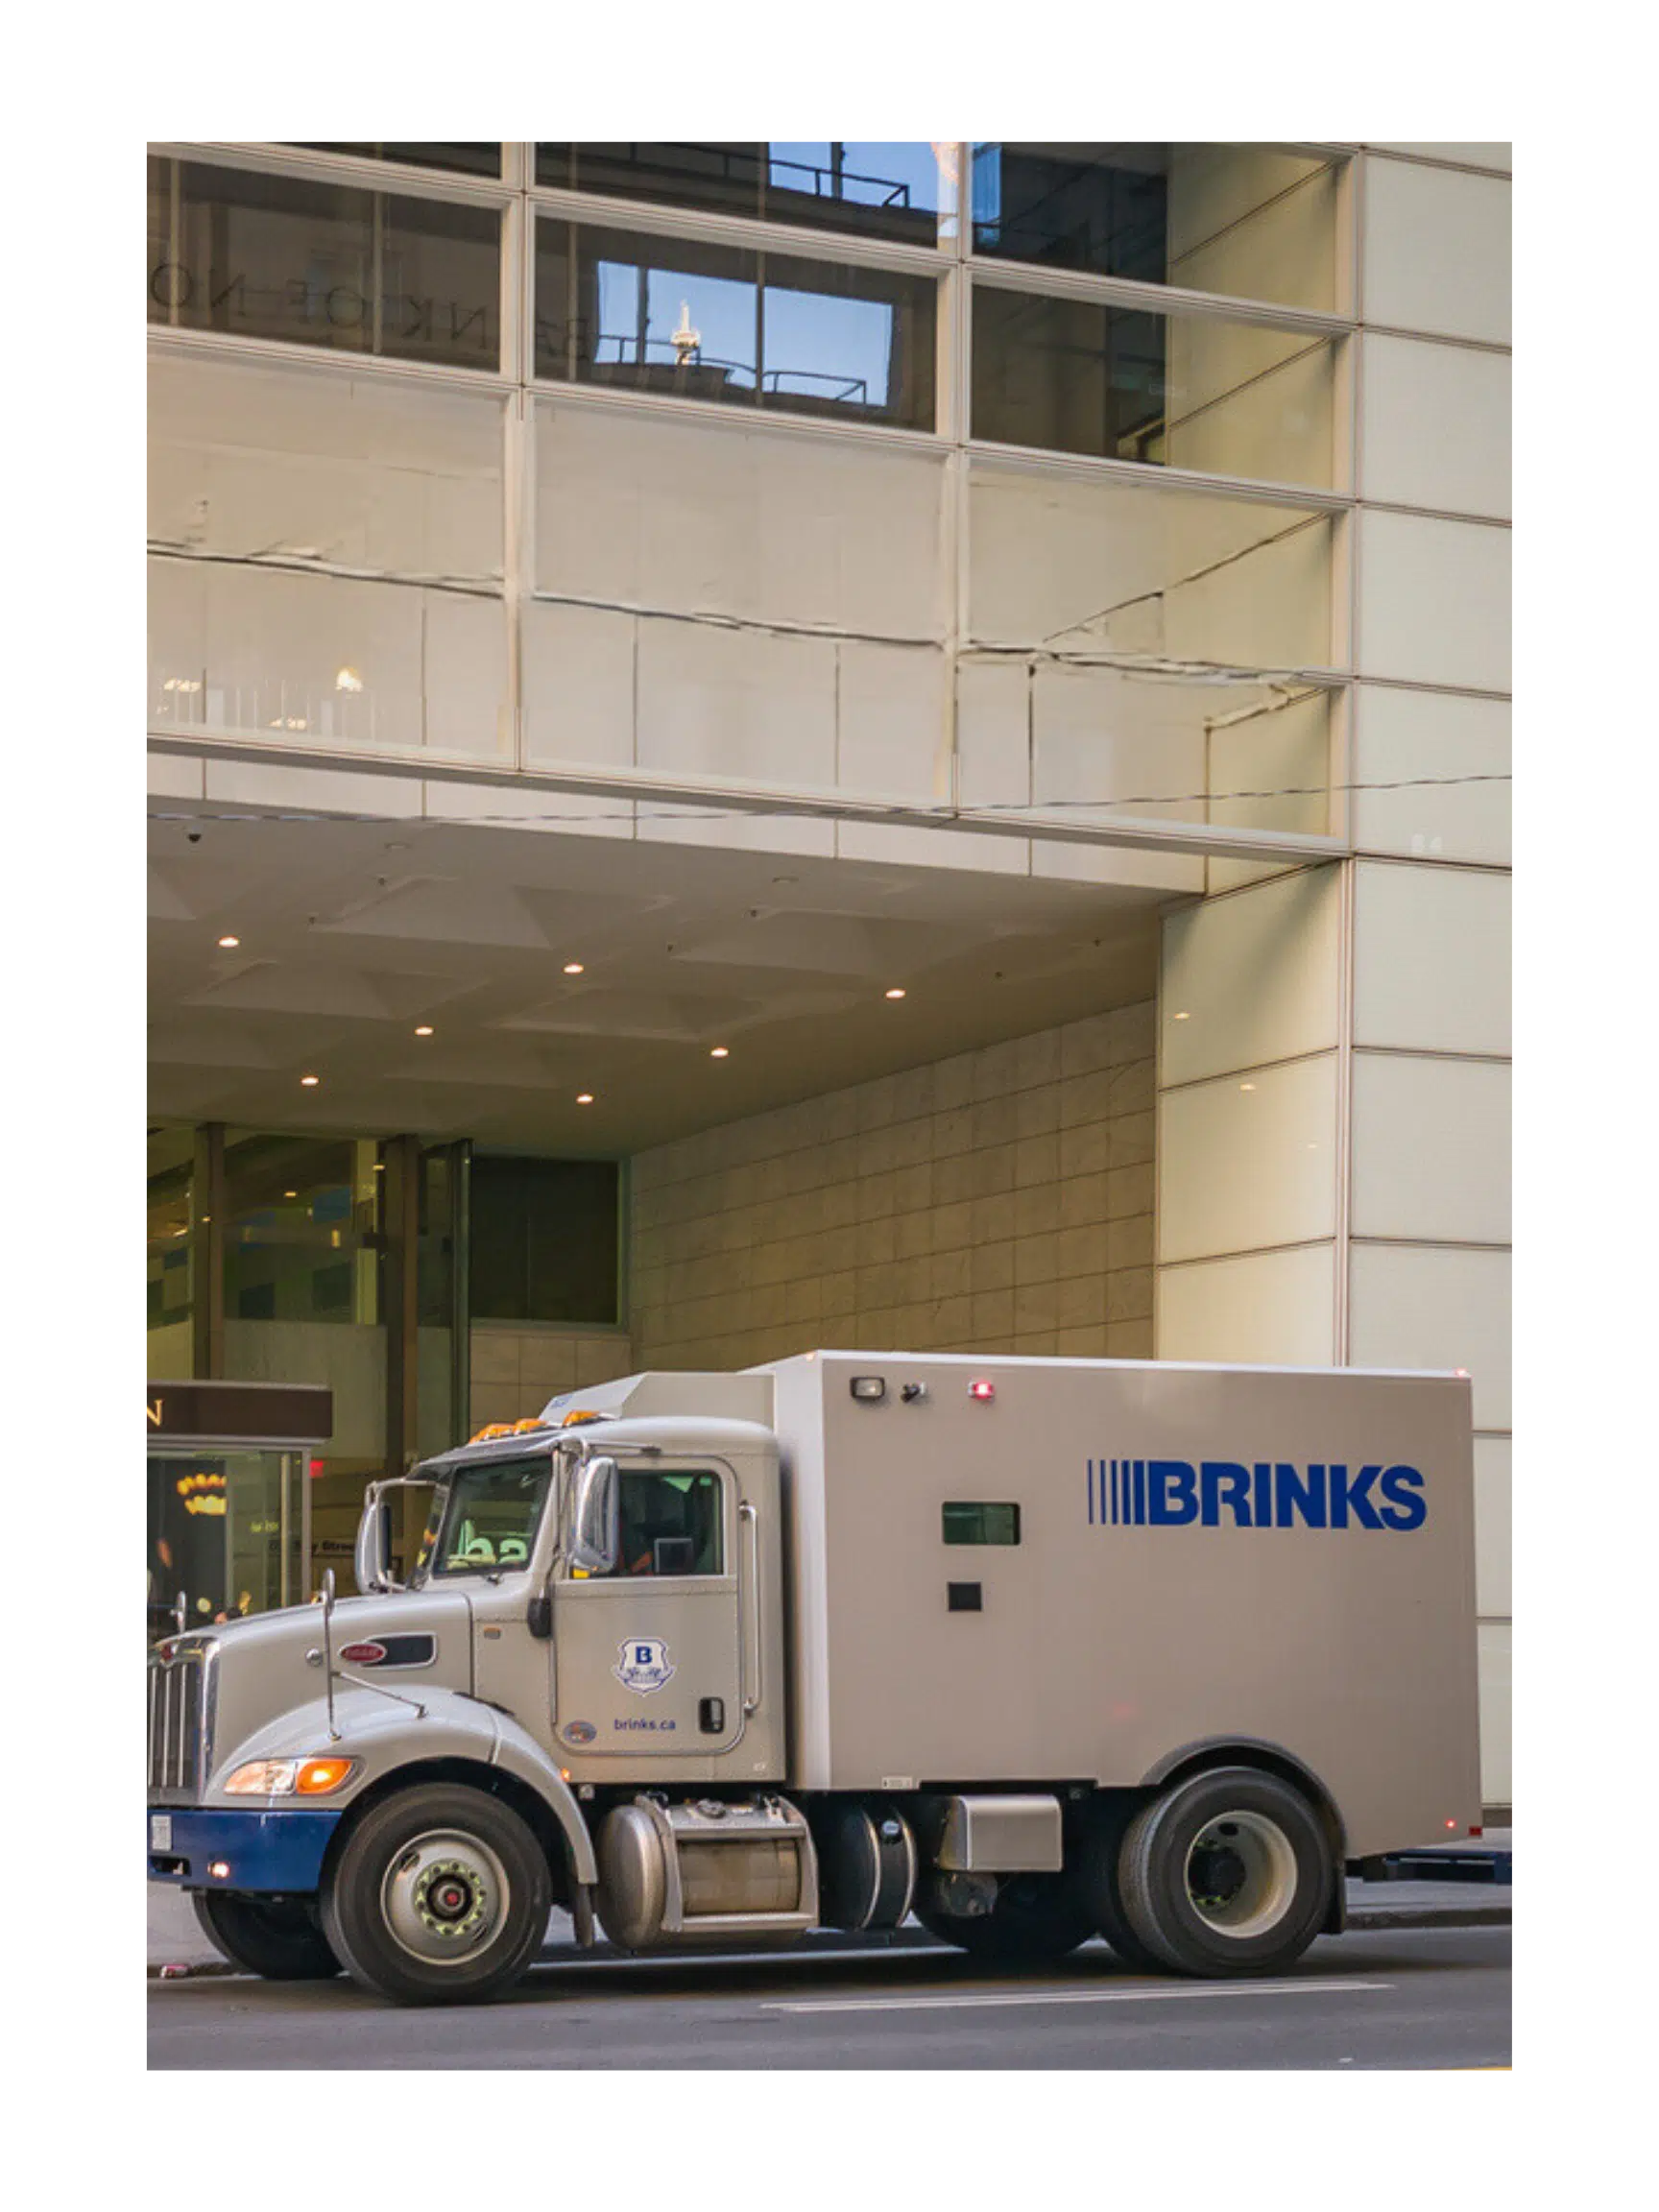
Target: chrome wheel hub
1241	1874
445	1897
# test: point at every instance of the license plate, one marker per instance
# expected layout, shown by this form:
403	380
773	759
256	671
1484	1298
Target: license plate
160	1831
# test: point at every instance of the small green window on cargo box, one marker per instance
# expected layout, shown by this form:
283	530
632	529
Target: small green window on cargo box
980	1524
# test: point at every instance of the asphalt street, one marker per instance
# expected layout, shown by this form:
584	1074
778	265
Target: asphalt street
1388	1998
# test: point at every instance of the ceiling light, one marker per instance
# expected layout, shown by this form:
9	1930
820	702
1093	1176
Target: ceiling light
584	1097
425	1030
719	1052
1183	1016
894	994
379	1169
290	1193
310	1081
572	967
1246	1086
228	944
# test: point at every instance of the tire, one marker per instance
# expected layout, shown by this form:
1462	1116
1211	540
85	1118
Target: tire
1228	1874
440	1896
275	1938
1036	1917
1100	1892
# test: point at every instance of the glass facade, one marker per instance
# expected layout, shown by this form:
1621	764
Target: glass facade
546	1240
704	320
1251	221
356	1265
466	159
331	556
315	263
1187	390
226	1528
896	190
169	1219
302	1229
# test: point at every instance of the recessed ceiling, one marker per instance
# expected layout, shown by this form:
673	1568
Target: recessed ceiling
353	933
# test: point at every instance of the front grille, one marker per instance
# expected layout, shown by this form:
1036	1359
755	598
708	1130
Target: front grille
179	1723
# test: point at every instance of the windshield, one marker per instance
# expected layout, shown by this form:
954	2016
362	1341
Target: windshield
488	1518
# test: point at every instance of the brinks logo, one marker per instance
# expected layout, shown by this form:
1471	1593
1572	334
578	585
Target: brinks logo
1265	1494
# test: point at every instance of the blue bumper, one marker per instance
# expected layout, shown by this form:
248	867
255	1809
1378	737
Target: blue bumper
262	1851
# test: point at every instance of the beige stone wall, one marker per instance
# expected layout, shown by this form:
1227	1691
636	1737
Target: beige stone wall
518	1366
1001	1201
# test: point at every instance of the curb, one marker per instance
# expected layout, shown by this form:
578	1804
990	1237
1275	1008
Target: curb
1361	1920
1366	1919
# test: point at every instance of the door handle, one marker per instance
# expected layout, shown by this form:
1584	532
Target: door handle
752	1686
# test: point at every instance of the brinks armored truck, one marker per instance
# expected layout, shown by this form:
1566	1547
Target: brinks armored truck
1032	1649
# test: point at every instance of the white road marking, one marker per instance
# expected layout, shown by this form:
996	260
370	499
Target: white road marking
1080	1996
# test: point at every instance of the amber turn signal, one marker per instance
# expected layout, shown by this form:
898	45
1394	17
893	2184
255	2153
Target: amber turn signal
317	1776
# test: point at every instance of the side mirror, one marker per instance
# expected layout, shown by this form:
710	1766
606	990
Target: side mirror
594	1522
371	1559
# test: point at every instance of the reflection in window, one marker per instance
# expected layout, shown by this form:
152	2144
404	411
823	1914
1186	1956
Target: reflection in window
726	323
317	264
880	189
1253	221
1068	373
226	1529
1189	391
976	1523
471	160
167	1274
544	1240
669	1523
300	1231
489	1520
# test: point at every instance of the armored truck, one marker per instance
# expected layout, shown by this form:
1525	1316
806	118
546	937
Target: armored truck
1032	1649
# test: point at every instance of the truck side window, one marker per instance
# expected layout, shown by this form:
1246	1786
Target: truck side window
670	1523
980	1524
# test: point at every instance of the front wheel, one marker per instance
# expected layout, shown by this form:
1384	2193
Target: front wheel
441	1896
273	1937
1035	1918
1230	1873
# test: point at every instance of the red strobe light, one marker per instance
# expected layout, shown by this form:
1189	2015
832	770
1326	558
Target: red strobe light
983	1390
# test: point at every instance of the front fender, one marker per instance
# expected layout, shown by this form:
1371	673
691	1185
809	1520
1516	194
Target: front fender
379	1733
519	1752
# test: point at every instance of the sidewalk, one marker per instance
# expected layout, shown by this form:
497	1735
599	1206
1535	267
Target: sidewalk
174	1940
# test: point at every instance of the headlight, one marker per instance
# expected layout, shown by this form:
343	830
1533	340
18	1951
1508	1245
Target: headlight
288	1777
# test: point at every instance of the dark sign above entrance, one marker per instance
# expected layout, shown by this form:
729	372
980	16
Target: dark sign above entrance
290	1412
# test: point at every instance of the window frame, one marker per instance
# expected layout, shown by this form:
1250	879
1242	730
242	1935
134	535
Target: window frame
727	1579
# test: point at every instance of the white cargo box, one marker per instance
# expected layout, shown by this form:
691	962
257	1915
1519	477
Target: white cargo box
1033	1571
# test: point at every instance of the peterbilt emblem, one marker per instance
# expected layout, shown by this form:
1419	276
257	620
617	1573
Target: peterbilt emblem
388	1651
645	1665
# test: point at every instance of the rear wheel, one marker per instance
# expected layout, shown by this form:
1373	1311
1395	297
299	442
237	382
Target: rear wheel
276	1937
441	1896
1099	1891
1036	1916
1230	1873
